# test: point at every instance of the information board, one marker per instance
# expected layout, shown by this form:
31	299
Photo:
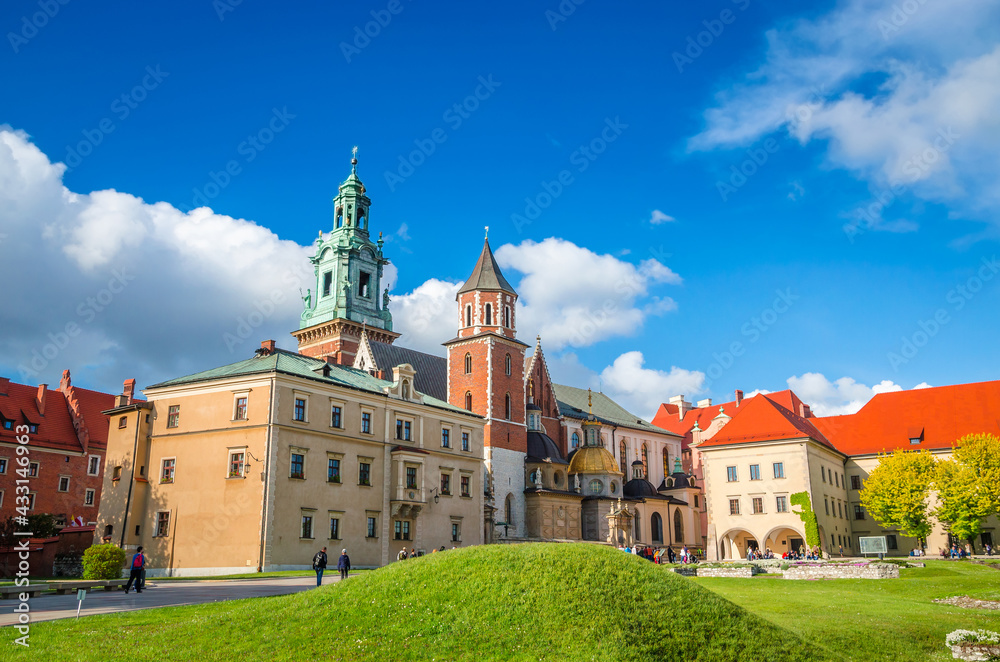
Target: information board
873	545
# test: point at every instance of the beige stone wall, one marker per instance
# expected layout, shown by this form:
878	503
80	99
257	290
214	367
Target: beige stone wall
552	516
829	498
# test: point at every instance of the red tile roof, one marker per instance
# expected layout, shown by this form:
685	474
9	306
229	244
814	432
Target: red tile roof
761	418
888	421
55	428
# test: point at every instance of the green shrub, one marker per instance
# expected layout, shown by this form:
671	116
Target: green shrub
785	566
103	562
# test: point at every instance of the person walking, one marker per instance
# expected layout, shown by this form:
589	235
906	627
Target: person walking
135	571
402	555
344	564
319	565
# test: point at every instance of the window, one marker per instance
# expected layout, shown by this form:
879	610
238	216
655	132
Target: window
666	463
754	472
33	428
855	482
402	530
64	483
364	473
468	364
240	413
298	467
468	400
465	441
366	422
162	524
506	406
372	527
623	458
506	318
779	469
123	422
826	504
334	528
33	470
445	438
236	463
327	283
31	500
116	474
468	319
859	512
836	478
645	461
3	465
465	486
333	470
300	409
758	505
456	532
781	504
402	430
364	284
446	484
574	441
822	472
336	419
507	365
88	498
307	527
8	424
678	527
411	478
596	486
731	474
173	416
166	470
93	465
488	319
696	501
840	509
890	542
734	506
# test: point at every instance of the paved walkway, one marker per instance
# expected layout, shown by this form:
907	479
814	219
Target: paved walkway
159	594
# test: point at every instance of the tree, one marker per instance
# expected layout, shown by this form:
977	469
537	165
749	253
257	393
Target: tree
896	492
968	486
103	562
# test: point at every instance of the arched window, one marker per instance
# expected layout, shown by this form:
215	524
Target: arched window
468	400
468	364
638	529
468	315
645	461
506	406
656	527
507	364
506	316
666	463
623	458
508	509
488	318
678	528
574	441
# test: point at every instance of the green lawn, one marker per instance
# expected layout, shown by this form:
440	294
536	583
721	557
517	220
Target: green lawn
873	620
497	602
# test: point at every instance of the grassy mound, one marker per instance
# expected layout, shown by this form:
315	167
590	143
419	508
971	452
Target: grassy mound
536	601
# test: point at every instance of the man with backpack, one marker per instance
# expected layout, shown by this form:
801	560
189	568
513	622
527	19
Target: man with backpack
136	569
319	565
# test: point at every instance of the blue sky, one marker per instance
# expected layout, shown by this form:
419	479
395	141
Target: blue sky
654	258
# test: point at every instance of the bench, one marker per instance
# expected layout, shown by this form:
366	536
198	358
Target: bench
62	588
32	590
112	584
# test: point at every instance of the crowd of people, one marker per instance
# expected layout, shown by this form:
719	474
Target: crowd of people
964	551
664	554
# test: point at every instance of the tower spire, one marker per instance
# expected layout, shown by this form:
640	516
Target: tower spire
354	160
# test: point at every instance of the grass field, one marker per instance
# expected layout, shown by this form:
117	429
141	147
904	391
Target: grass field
523	602
873	620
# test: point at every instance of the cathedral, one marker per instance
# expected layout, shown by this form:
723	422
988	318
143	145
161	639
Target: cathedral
560	462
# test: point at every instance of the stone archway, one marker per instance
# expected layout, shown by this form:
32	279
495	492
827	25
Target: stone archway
733	544
783	539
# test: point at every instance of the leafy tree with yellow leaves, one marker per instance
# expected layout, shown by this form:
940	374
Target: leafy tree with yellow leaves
968	485
896	492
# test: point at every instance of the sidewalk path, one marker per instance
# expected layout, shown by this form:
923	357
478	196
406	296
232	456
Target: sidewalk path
159	594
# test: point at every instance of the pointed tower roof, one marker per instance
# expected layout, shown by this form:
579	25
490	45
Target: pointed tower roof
486	275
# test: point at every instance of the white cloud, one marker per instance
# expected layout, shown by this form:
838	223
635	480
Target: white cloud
842	396
427	316
642	390
904	100
575	297
659	217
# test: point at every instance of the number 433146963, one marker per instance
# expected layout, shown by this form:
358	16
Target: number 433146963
23	500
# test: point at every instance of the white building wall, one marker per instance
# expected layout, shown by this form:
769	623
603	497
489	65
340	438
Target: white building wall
507	467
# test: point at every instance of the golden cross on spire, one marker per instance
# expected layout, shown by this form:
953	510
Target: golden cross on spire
590	402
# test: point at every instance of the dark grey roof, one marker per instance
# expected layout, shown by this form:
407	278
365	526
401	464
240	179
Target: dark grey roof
432	371
541	447
487	275
641	488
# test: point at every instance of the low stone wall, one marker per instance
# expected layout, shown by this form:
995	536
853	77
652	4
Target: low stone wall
843	571
727	572
687	572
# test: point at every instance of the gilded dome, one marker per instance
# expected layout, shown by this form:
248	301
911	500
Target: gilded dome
593	460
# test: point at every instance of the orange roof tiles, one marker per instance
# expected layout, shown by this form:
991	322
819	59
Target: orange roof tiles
55	427
762	419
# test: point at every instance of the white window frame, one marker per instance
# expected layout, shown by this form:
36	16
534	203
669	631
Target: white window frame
173	472
59	484
446	429
297	395
31	500
91	493
1	498
371	421
339	457
37	470
372	514
156	524
413	428
297	450
339	516
243	465
456	521
311	514
343	413
466	431
236	398
90	460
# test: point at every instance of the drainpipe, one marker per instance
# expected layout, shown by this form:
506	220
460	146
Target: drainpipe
267	460
128	499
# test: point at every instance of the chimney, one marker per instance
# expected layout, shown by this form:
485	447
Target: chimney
683	407
128	391
40	398
739	397
802	410
4	383
707	402
268	345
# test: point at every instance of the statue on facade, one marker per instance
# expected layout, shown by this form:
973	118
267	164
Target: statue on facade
576	482
385	298
538	478
307	299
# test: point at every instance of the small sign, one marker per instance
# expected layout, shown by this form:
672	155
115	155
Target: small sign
873	545
81	594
